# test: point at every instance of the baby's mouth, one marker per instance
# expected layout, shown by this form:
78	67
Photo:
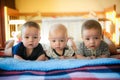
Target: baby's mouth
57	48
92	46
30	44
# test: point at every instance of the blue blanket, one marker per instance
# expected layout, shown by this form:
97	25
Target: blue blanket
54	64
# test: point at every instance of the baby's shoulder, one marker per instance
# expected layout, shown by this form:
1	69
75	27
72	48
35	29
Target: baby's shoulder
103	43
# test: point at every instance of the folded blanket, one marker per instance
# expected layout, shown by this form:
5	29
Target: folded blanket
54	64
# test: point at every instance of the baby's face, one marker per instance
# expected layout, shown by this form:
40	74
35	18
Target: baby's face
58	40
30	37
92	38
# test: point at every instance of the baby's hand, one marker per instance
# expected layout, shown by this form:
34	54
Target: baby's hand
87	58
103	56
62	57
93	57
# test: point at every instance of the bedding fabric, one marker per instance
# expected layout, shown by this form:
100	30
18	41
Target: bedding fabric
69	69
54	64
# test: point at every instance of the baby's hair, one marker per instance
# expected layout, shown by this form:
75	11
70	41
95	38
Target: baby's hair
55	27
31	24
91	24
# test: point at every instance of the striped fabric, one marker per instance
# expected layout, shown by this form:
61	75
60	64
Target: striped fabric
106	70
85	73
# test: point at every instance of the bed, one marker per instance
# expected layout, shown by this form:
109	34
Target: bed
55	69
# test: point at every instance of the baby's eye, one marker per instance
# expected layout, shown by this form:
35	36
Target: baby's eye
96	38
61	40
35	37
26	37
53	40
87	39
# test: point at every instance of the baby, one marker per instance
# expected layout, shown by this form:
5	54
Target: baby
58	38
92	46
29	48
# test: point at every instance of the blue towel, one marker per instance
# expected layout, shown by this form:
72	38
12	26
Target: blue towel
54	64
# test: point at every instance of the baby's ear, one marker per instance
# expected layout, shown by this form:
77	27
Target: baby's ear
21	39
81	37
40	37
48	38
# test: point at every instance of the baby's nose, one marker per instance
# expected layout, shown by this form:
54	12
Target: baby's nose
57	43
92	41
30	39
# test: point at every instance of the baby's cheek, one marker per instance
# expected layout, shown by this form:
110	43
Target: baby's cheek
98	44
86	44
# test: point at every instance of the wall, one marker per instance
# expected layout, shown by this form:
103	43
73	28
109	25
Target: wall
65	5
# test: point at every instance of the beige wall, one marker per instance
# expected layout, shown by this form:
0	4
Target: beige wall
65	5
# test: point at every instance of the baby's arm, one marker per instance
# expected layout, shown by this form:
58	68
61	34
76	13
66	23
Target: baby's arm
79	56
67	57
103	56
42	58
18	57
8	47
80	51
104	50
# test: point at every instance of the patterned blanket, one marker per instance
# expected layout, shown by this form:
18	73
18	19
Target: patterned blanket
69	69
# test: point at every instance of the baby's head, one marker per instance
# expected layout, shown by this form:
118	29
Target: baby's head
91	34
30	34
58	36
